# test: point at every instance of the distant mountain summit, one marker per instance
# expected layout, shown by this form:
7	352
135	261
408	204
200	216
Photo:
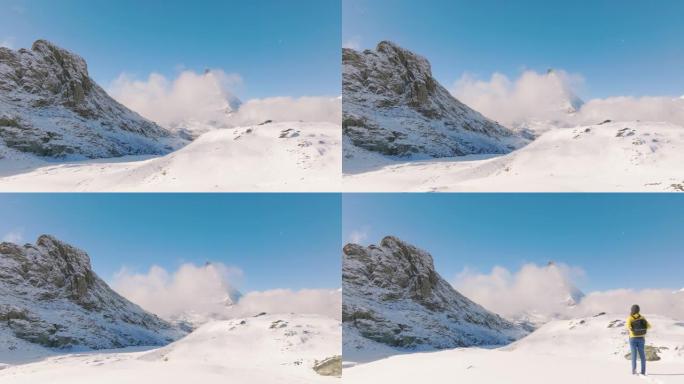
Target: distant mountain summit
569	101
51	297
50	107
392	295
393	106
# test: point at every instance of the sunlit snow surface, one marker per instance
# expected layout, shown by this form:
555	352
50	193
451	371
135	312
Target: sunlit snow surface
266	349
616	156
287	156
586	350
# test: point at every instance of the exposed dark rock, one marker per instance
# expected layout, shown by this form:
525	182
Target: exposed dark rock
50	107
52	297
393	106
393	295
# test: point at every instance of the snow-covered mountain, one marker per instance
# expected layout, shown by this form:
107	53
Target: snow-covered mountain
267	348
566	295
393	296
51	300
215	116
394	107
590	349
289	156
51	108
609	156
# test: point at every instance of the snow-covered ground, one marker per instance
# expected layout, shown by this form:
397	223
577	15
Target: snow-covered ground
287	156
264	349
615	156
587	350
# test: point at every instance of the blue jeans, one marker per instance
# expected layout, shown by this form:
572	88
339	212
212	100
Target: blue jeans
638	344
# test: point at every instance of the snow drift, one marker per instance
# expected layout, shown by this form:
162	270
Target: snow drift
280	157
266	348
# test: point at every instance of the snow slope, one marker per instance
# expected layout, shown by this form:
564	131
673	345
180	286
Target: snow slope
614	156
264	349
587	350
288	156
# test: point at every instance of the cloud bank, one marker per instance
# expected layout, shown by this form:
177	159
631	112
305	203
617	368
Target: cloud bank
209	291
552	97
541	96
631	108
205	97
545	290
540	289
326	109
325	302
191	288
209	98
658	301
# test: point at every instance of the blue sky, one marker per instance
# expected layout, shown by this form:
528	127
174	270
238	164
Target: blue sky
280	48
619	240
620	47
278	240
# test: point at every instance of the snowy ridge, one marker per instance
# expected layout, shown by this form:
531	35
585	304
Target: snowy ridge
51	108
263	349
283	156
394	107
393	296
610	156
52	302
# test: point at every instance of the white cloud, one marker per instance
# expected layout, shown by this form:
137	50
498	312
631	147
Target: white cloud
533	288
7	43
203	290
209	97
654	301
328	109
353	43
358	236
544	290
532	95
631	108
191	288
546	97
15	236
326	302
204	97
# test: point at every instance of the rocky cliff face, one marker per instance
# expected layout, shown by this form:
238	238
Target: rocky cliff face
393	106
50	296
393	295
50	107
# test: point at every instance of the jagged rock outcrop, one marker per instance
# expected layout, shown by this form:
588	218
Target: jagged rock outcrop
50	107
393	295
50	296
393	106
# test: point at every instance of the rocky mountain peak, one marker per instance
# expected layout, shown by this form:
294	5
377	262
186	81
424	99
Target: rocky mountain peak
55	265
393	295
68	61
394	106
53	298
54	73
413	270
50	107
415	74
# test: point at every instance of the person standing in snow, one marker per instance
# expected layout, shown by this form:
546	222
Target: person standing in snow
637	326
